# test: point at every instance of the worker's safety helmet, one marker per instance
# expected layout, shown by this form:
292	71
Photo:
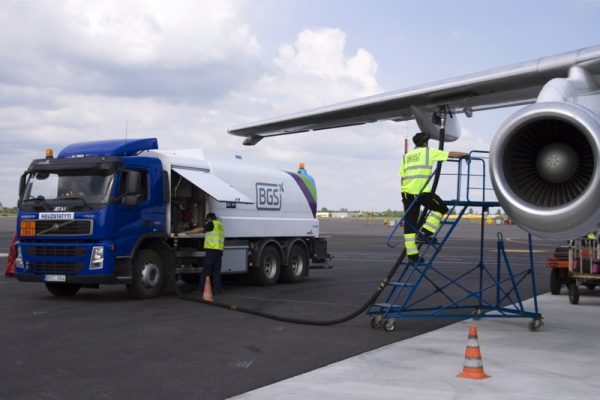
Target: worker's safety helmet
211	216
420	138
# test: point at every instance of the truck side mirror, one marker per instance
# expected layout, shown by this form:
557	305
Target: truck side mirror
134	182
131	201
22	185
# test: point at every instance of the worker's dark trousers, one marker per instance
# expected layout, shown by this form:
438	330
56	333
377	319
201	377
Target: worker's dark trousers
212	266
428	200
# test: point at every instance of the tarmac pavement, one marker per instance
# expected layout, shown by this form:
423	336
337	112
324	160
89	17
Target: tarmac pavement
80	347
558	362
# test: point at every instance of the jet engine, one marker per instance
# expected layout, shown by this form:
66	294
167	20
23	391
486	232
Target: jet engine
543	169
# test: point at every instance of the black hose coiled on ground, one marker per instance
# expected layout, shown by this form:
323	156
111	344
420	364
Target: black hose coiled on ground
346	318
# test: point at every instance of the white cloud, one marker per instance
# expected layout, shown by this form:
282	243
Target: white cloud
315	71
138	48
76	71
184	72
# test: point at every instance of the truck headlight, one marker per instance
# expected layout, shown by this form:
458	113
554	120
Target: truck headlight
97	261
19	258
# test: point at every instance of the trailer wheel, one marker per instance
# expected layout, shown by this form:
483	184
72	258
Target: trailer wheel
148	275
295	269
590	286
555	282
267	272
63	289
574	294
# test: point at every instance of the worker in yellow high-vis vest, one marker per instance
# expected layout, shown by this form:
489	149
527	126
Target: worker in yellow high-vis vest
415	170
214	242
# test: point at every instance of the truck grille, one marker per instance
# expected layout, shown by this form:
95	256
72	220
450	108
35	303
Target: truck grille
57	266
63	227
56	251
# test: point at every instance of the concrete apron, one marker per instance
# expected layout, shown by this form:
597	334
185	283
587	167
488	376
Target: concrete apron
558	362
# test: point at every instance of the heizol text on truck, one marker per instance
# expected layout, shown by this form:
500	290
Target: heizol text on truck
107	212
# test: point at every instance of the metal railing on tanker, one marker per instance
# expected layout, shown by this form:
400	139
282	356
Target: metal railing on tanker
423	290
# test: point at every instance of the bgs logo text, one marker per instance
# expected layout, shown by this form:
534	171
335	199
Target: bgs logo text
268	196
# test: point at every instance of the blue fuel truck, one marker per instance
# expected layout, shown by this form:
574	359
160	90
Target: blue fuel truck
109	212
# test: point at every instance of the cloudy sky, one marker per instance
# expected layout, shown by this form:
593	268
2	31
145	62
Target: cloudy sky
184	71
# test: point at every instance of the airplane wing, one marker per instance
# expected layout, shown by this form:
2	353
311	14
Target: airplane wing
544	159
517	84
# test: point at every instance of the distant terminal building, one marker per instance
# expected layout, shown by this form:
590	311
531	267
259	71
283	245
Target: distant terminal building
327	214
340	215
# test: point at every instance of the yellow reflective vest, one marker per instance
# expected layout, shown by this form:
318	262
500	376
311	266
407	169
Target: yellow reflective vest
215	239
416	168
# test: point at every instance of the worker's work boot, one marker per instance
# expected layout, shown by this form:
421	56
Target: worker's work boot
428	235
414	259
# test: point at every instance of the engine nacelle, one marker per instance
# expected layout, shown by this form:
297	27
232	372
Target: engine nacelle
543	169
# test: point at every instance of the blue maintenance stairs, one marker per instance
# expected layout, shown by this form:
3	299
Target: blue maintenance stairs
423	290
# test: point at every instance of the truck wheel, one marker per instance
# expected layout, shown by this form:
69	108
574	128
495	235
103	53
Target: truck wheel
295	269
63	289
269	268
555	282
148	275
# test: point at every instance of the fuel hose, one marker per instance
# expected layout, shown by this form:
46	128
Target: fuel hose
300	321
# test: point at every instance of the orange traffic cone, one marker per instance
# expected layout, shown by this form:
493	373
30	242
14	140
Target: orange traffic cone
207	295
473	367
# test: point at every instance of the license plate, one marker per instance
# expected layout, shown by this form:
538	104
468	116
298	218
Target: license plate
55	278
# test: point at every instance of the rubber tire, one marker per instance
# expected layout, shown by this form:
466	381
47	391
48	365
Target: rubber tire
590	286
535	325
137	290
388	327
62	289
268	258
574	294
296	266
555	282
194	279
375	324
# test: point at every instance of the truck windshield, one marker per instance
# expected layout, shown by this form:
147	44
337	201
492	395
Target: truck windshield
92	189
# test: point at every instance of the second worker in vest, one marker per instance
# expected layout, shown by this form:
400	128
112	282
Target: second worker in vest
214	241
415	170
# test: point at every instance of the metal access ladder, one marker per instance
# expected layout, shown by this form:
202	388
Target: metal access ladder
423	290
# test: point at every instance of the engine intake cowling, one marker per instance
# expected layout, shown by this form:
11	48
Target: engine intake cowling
543	169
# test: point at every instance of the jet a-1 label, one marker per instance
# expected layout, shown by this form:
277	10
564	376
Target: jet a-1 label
268	196
57	215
